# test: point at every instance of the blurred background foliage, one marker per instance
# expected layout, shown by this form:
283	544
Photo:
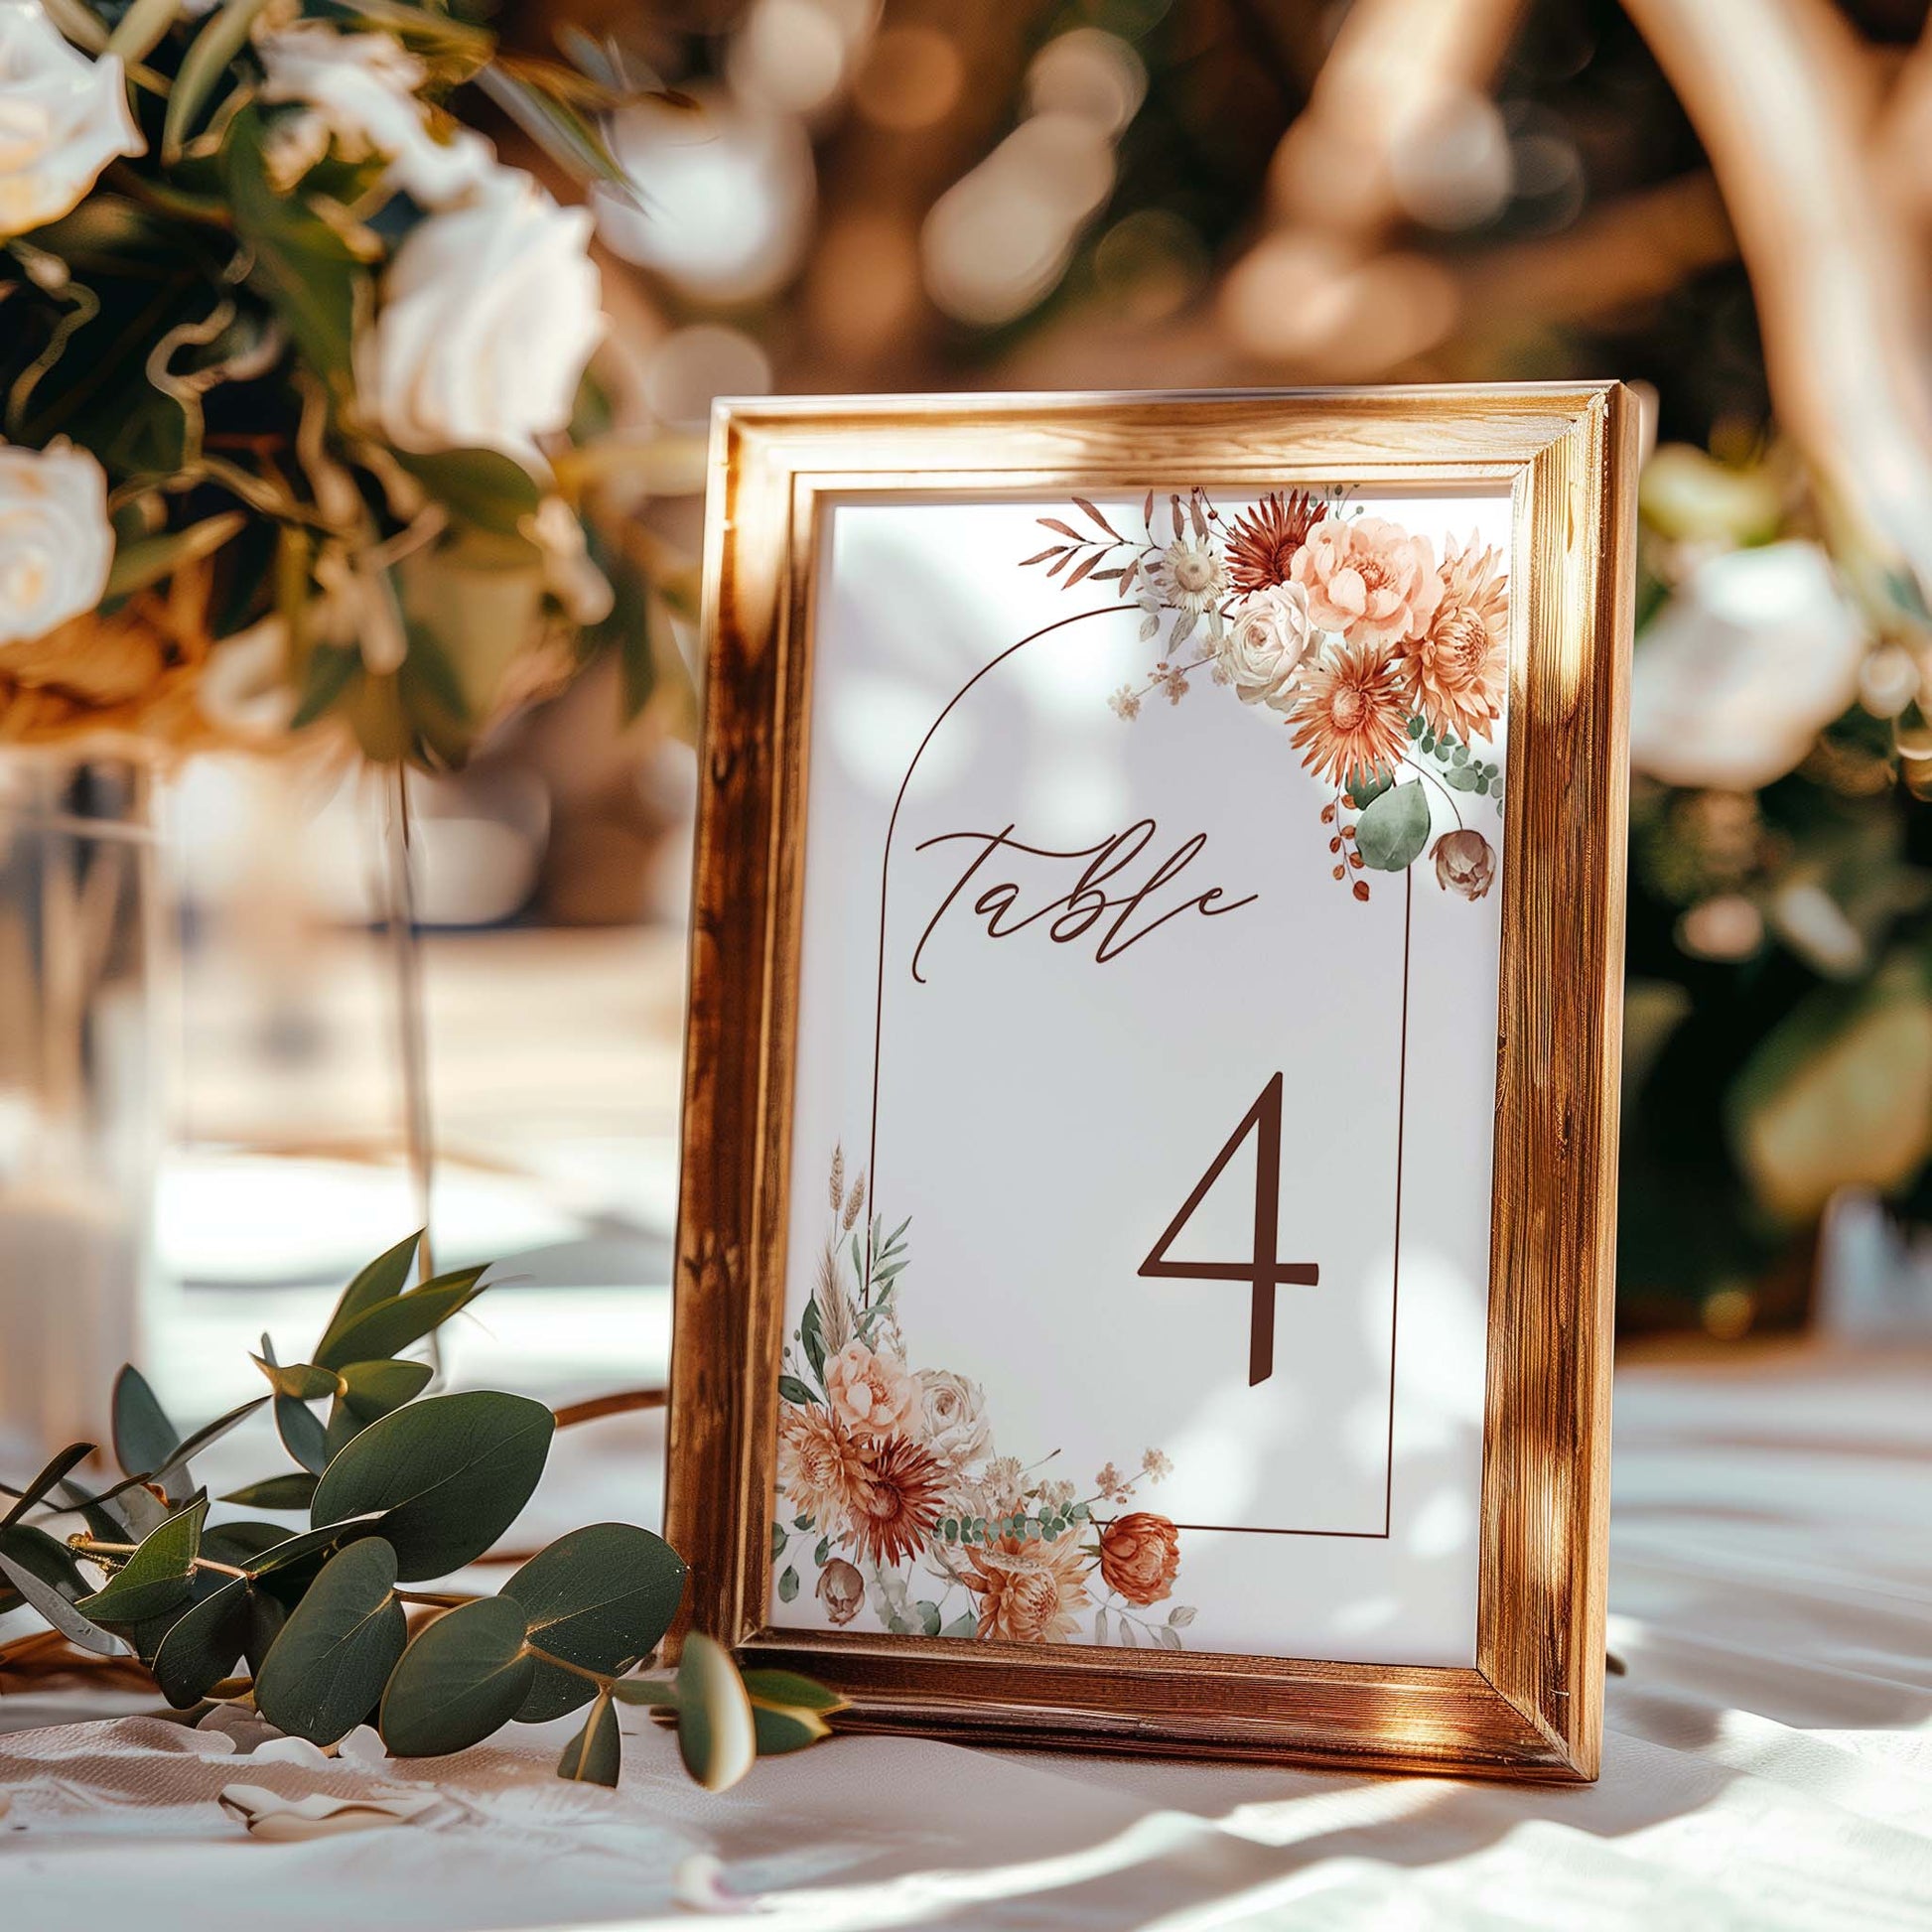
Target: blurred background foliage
1722	200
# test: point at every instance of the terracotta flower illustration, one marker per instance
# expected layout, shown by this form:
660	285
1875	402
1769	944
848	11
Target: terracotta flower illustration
1386	663
1263	541
1465	863
891	1485
1453	670
1028	1592
1139	1555
897	1502
1351	717
841	1589
870	1392
1368	578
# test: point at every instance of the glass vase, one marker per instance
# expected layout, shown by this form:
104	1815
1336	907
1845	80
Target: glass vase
79	1114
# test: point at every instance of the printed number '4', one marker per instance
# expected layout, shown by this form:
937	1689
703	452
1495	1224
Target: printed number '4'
1262	1271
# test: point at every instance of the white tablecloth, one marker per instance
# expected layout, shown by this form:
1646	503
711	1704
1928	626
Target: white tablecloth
1768	1761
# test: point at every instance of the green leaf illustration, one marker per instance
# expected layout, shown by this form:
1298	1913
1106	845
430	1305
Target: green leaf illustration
1394	828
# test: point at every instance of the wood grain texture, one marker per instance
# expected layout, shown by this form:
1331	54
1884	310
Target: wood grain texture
1532	1707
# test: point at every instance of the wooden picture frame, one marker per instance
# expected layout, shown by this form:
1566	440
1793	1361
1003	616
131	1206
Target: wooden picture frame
1529	1703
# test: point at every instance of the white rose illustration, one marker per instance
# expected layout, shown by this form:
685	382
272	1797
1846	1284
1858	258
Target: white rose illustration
489	314
1747	663
1266	643
63	119
55	543
952	1420
362	89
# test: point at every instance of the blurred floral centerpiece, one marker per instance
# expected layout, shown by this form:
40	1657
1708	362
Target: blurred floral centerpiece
293	372
1779	1019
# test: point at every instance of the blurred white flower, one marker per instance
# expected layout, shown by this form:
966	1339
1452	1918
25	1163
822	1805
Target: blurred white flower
55	543
1751	658
63	119
489	315
244	688
569	575
362	89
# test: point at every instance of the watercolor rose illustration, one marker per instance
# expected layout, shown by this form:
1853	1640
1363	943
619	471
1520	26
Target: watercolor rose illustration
891	1485
1387	660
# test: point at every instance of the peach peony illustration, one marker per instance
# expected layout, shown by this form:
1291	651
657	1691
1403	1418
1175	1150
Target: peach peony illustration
1139	1556
1369	579
1351	717
1028	1590
871	1393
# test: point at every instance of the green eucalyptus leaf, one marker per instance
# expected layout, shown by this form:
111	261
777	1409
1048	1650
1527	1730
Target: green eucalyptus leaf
176	1464
787	1688
375	1389
325	1672
462	1679
309	1543
46	1481
147	560
1393	828
596	1754
715	1733
144	1438
290	1491
298	1381
381	1281
387	1326
157	1577
481	486
600	1599
302	1434
48	1601
240	1543
330	671
204	1644
304	269
777	1730
203	66
654	1692
41	1556
449	1473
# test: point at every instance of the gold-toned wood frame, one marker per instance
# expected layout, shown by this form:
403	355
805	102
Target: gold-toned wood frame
1532	1706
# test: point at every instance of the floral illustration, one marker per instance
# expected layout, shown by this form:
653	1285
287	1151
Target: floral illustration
891	1485
1386	661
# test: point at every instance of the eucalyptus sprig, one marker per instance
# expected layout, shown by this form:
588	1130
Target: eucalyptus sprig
323	1628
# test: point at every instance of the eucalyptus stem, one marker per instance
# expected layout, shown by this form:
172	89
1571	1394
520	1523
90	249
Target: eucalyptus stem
406	955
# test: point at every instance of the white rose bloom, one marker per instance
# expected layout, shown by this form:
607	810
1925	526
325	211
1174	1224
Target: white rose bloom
489	314
1263	650
55	542
1740	673
952	1420
63	119
362	86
